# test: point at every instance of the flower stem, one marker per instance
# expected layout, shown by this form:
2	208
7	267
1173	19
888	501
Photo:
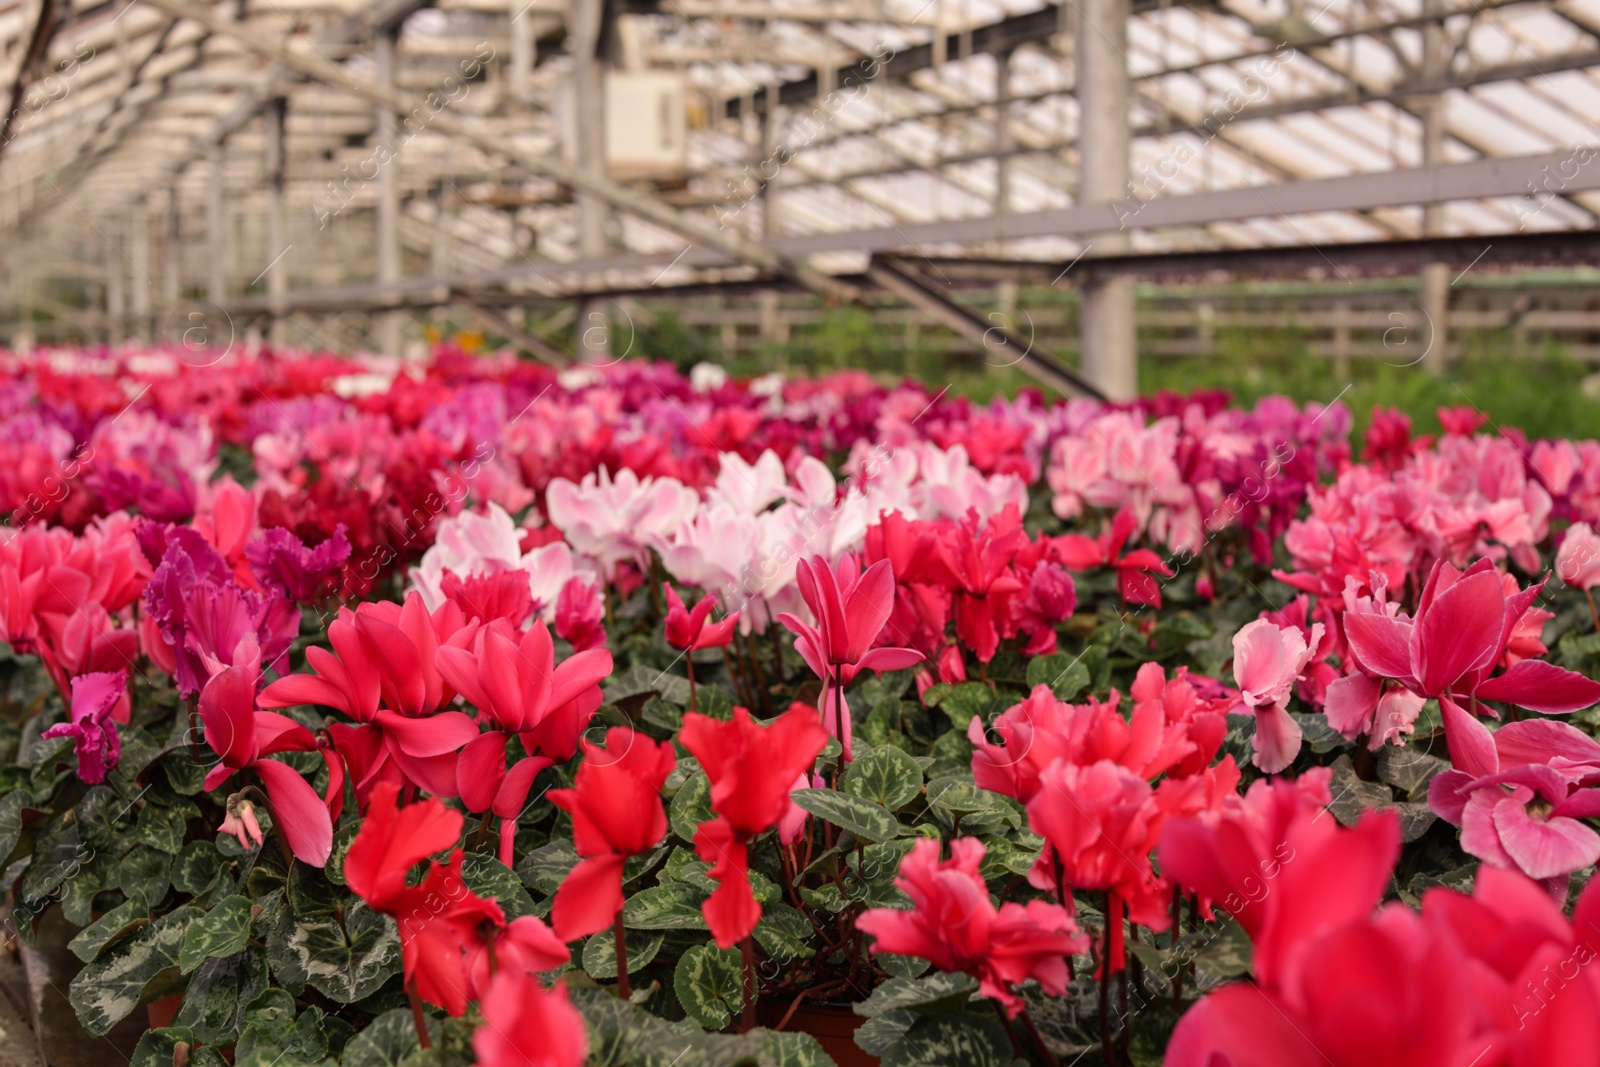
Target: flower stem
688	662
1038	1039
417	1018
747	949
1016	1045
756	673
194	724
1177	977
1594	612
623	991
1106	1047
278	831
481	832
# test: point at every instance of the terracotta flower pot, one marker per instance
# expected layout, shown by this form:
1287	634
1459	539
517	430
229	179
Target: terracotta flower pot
832	1023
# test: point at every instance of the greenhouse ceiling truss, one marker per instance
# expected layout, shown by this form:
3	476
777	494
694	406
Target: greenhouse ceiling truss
267	157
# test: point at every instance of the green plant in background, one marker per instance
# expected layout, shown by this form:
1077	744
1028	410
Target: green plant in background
1542	391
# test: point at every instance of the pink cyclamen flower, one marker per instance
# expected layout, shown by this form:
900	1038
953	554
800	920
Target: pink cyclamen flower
1464	624
94	735
244	737
1578	561
580	614
691	630
851	607
1520	796
241	823
1267	661
953	925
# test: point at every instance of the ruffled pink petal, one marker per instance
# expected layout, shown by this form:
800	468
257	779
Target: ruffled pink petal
1544	848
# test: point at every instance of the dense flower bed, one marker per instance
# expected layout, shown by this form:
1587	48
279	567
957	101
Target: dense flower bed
480	712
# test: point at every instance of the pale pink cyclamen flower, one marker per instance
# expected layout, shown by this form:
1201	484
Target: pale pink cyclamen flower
612	519
1578	561
948	484
1555	462
749	488
472	545
1267	661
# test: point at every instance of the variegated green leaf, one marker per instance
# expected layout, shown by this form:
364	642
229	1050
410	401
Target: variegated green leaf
222	931
600	952
134	971
865	818
709	985
218	993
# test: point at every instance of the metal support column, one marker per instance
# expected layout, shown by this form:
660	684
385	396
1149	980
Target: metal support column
1435	278
524	52
1107	336
216	231
1004	140
771	164
277	222
171	250
141	283
588	90
386	223
116	278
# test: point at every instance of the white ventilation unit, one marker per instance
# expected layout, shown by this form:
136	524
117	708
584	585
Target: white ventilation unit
646	126
646	131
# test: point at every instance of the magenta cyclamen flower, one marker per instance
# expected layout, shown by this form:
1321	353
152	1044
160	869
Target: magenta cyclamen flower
94	736
282	562
203	614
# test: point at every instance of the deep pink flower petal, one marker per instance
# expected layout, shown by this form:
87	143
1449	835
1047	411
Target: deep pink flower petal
436	735
480	769
1381	644
1471	744
1540	686
299	810
1240	1026
1459	632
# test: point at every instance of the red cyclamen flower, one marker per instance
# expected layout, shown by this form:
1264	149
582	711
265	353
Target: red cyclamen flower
1134	570
514	681
616	813
526	1025
382	674
751	768
447	932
